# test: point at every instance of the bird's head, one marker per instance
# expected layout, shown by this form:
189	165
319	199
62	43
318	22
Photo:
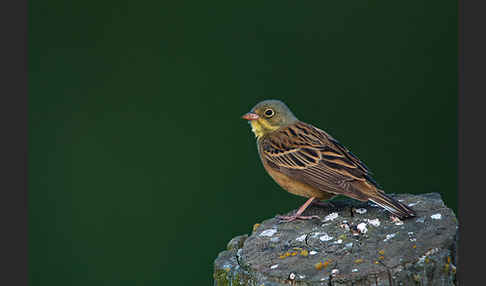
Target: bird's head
268	116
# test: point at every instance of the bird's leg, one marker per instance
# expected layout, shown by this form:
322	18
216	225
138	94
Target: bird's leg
298	215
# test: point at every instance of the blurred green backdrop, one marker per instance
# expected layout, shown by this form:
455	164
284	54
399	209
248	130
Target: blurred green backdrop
140	168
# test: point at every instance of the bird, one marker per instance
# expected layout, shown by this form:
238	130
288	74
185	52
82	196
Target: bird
308	162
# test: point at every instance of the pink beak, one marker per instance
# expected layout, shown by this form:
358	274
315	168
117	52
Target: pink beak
250	116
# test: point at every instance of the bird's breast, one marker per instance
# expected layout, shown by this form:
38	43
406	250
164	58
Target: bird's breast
293	185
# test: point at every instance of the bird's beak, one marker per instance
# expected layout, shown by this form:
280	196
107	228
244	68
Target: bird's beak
250	116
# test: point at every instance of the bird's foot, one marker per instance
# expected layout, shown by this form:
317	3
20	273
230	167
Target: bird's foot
294	217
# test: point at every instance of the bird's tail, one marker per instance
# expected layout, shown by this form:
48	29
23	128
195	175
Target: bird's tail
395	207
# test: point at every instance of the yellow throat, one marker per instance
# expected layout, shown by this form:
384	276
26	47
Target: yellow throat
261	127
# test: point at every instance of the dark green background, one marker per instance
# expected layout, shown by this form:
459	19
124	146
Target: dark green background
140	168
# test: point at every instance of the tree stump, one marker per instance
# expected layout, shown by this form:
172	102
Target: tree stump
354	243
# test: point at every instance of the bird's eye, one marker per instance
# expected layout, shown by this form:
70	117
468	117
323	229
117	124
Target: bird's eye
269	113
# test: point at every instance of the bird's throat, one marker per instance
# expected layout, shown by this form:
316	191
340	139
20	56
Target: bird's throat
261	127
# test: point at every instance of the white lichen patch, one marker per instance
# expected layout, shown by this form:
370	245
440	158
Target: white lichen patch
349	245
411	236
268	232
335	272
354	270
428	253
331	216
396	220
274	266
301	238
362	227
436	216
274	239
374	222
389	236
421	259
361	211
432	251
301	276
420	220
413	204
325	237
339	241
313	252
344	225
316	234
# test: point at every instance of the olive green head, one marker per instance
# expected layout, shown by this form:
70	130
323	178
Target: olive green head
268	116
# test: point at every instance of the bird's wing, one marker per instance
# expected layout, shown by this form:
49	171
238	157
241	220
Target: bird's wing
309	154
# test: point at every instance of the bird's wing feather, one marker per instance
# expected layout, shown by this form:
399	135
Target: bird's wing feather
311	155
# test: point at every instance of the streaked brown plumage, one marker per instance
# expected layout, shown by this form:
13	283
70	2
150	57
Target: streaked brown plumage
306	161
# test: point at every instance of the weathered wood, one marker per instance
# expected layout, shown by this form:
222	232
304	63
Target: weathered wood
353	243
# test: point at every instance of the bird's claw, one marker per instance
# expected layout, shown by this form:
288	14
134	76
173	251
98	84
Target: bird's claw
294	217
